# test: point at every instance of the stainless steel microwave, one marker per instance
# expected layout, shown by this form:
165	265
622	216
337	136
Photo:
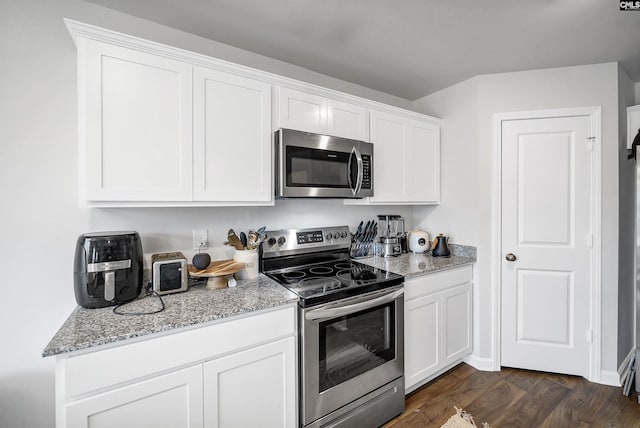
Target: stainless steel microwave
320	166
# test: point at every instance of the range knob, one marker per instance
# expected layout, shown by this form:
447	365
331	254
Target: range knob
281	240
329	235
271	241
343	234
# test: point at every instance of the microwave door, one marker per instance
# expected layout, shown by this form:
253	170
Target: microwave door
320	166
319	173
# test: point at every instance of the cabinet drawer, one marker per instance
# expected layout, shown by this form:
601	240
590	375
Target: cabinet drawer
104	368
437	281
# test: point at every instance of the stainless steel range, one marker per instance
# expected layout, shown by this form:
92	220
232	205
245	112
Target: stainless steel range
351	327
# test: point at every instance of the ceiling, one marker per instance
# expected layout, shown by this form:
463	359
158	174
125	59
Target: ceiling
410	48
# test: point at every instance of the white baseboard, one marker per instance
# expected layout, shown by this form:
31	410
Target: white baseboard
478	363
609	377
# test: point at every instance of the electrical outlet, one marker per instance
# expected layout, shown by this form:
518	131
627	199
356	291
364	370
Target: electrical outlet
200	241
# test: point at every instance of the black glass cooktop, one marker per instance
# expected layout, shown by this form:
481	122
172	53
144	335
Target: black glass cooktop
334	280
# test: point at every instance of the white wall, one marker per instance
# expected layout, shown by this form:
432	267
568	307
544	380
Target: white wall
39	217
627	219
637	91
465	212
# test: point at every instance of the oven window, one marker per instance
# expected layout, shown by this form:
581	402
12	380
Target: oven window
356	343
316	168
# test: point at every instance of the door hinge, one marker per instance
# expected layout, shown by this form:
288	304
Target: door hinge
590	240
589	336
590	143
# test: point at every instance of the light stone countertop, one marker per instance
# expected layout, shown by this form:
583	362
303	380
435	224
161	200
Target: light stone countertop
86	328
411	265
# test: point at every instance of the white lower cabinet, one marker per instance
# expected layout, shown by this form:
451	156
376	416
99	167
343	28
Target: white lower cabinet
254	380
173	400
437	323
238	373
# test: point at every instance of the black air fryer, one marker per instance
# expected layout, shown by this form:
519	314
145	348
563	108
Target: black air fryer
107	268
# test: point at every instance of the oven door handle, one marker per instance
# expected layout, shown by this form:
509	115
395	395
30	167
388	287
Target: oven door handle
328	313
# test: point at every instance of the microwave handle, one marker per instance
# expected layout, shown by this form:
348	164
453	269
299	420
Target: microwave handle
328	313
358	185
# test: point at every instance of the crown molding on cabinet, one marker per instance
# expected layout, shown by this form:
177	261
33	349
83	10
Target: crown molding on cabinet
81	30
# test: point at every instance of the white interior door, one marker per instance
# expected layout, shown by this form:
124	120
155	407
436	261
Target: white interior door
546	244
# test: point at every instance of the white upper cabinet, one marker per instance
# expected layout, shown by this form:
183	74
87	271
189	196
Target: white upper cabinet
301	111
308	112
347	120
406	160
423	162
232	138
156	131
161	126
389	138
135	124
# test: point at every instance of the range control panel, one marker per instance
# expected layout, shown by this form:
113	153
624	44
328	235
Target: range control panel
310	237
304	240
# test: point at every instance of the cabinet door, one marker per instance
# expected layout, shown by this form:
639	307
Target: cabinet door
422	327
253	388
347	120
302	111
389	136
135	124
423	162
456	305
173	400
232	138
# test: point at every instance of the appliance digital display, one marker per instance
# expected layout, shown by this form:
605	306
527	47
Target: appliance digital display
309	237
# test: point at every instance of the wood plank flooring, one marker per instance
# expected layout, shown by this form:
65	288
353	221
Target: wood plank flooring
519	398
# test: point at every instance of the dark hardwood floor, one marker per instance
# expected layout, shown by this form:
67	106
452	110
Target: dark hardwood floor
519	398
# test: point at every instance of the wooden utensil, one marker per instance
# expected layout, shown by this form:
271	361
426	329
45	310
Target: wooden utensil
234	240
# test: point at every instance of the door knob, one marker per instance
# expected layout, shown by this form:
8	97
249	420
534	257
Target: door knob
510	257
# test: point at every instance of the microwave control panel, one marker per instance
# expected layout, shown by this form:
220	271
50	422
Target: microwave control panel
366	172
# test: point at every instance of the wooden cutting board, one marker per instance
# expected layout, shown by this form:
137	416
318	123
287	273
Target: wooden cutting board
217	272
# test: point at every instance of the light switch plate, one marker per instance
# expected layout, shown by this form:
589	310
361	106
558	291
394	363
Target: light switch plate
200	239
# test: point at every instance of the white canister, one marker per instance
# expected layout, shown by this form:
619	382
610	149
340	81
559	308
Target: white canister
250	259
418	241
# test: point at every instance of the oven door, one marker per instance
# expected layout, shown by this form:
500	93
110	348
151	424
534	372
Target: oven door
311	165
349	349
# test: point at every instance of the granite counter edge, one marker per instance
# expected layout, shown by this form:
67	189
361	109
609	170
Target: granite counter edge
60	344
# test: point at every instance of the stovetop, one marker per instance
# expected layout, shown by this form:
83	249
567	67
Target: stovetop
315	265
326	282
